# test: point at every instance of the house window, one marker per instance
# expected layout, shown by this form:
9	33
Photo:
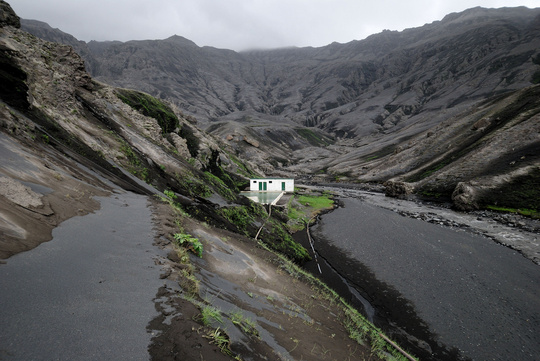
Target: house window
269	181
254	181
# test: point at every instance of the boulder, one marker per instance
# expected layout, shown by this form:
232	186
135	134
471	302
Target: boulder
465	196
252	142
398	189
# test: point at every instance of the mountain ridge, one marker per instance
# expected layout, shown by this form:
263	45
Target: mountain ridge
325	112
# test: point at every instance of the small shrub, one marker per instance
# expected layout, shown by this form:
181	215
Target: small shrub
209	313
190	242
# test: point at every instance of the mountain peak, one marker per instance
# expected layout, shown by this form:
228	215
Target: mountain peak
180	40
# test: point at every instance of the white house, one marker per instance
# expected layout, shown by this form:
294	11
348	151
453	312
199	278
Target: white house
271	184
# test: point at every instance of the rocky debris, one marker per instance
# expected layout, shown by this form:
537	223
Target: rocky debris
513	220
431	218
482	124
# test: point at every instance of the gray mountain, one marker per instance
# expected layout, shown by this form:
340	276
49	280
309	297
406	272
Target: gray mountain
368	110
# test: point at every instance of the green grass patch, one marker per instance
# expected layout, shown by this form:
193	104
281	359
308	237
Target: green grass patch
317	202
280	240
134	164
310	205
209	314
244	217
192	185
246	324
533	213
150	107
220	187
243	169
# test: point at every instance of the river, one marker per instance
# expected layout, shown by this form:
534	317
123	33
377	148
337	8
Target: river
88	293
445	293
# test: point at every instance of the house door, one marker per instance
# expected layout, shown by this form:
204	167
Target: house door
262	186
283	186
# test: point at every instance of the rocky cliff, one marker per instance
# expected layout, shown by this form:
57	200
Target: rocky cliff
63	132
419	106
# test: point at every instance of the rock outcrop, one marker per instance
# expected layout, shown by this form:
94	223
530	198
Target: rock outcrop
8	16
397	189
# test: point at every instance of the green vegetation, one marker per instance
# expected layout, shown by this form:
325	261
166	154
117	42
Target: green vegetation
210	314
134	165
431	169
524	212
190	242
317	203
249	218
522	195
359	328
219	186
243	170
307	207
247	325
191	140
243	217
221	340
150	107
192	185
229	182
280	240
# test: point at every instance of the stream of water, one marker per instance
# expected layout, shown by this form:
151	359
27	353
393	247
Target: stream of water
445	293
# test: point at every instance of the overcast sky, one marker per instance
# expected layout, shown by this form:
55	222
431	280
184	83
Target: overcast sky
243	24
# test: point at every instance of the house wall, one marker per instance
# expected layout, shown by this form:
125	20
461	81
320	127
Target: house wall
271	185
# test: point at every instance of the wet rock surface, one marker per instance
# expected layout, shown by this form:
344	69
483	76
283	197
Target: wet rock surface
88	293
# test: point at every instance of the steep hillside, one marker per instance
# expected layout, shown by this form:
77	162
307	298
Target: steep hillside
343	110
67	141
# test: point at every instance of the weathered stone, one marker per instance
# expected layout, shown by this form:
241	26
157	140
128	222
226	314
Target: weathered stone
465	196
252	142
398	189
481	124
181	145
